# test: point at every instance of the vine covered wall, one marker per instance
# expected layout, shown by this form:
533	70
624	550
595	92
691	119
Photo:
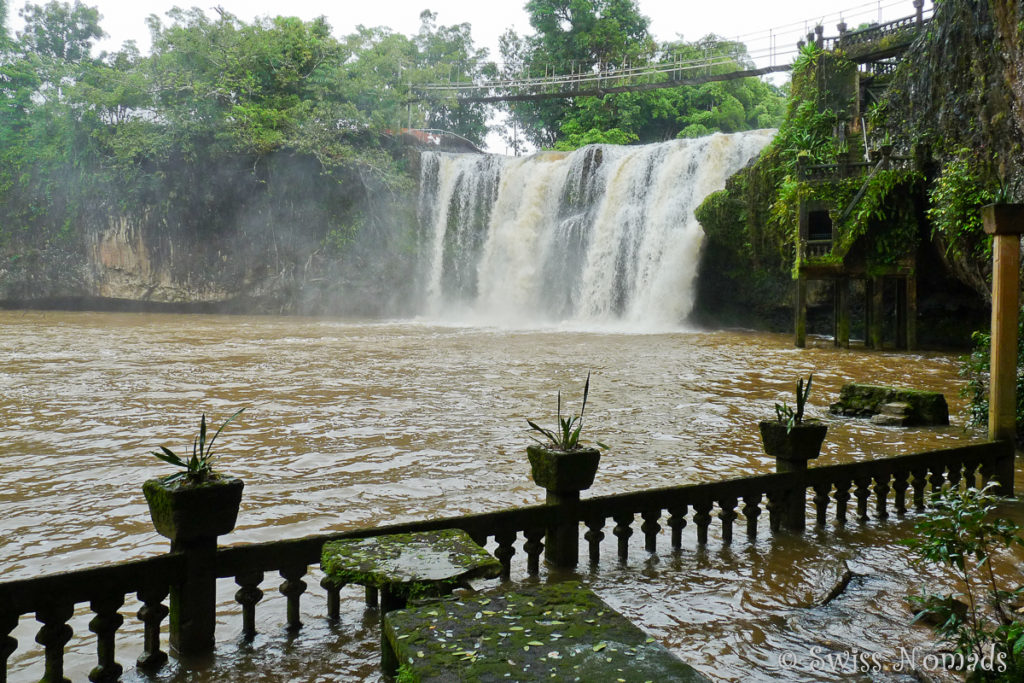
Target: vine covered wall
953	109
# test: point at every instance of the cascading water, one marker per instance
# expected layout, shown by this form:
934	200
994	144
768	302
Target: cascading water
602	235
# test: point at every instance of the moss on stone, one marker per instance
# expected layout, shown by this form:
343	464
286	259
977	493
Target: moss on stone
561	632
181	510
412	565
563	470
865	400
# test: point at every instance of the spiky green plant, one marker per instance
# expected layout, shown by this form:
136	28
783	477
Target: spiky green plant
567	436
199	467
785	414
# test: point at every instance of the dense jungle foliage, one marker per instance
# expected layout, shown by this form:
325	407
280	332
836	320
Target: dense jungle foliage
954	107
256	158
965	151
218	143
573	36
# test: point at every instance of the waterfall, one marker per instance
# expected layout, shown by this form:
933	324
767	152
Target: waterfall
604	235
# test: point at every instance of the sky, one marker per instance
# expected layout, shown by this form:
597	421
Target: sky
759	23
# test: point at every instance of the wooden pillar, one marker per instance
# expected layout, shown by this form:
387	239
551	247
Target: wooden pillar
901	313
867	313
835	313
1005	222
842	322
800	332
1002	413
911	311
876	319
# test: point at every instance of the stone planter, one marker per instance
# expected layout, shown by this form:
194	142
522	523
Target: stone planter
563	471
801	443
182	511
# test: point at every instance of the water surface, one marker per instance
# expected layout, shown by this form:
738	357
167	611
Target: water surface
350	424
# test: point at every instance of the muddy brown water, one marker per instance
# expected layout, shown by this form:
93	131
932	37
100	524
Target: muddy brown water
351	424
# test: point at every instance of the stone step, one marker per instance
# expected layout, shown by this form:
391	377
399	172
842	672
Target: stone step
897	408
890	420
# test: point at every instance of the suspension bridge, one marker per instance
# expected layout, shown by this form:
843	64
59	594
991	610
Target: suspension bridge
864	46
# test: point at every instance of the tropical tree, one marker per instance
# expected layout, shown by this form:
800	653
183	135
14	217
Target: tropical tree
3	24
657	114
447	53
572	36
59	30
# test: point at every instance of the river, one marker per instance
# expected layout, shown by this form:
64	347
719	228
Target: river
356	423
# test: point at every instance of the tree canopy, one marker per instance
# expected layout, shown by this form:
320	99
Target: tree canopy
225	122
226	128
582	36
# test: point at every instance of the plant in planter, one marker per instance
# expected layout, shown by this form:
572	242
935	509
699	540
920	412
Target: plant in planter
558	461
789	436
197	502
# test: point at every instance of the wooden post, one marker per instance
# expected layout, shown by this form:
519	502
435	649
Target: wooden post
911	301
901	313
867	312
1005	222
843	312
875	338
800	332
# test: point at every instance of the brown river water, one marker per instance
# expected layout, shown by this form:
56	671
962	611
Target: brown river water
358	423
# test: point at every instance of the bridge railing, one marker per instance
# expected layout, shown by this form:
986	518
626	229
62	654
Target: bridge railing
836	492
872	34
600	75
851	169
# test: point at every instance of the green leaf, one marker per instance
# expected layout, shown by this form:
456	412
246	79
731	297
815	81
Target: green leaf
225	424
169	457
202	435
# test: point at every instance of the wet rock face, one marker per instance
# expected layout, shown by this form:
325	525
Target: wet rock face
959	91
911	406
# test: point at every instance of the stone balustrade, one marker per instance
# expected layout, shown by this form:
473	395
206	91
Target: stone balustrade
864	490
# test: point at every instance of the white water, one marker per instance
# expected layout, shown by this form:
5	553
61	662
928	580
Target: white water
601	236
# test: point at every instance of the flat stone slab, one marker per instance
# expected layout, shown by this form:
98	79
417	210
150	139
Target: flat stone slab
545	632
866	400
409	565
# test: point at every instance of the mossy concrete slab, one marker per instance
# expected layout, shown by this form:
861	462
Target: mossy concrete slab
409	565
866	400
549	632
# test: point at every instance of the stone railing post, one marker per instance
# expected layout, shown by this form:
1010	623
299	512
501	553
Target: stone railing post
192	517
793	501
1005	222
561	542
193	614
563	474
919	11
792	446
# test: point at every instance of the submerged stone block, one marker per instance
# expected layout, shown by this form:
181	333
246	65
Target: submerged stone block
542	632
865	400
